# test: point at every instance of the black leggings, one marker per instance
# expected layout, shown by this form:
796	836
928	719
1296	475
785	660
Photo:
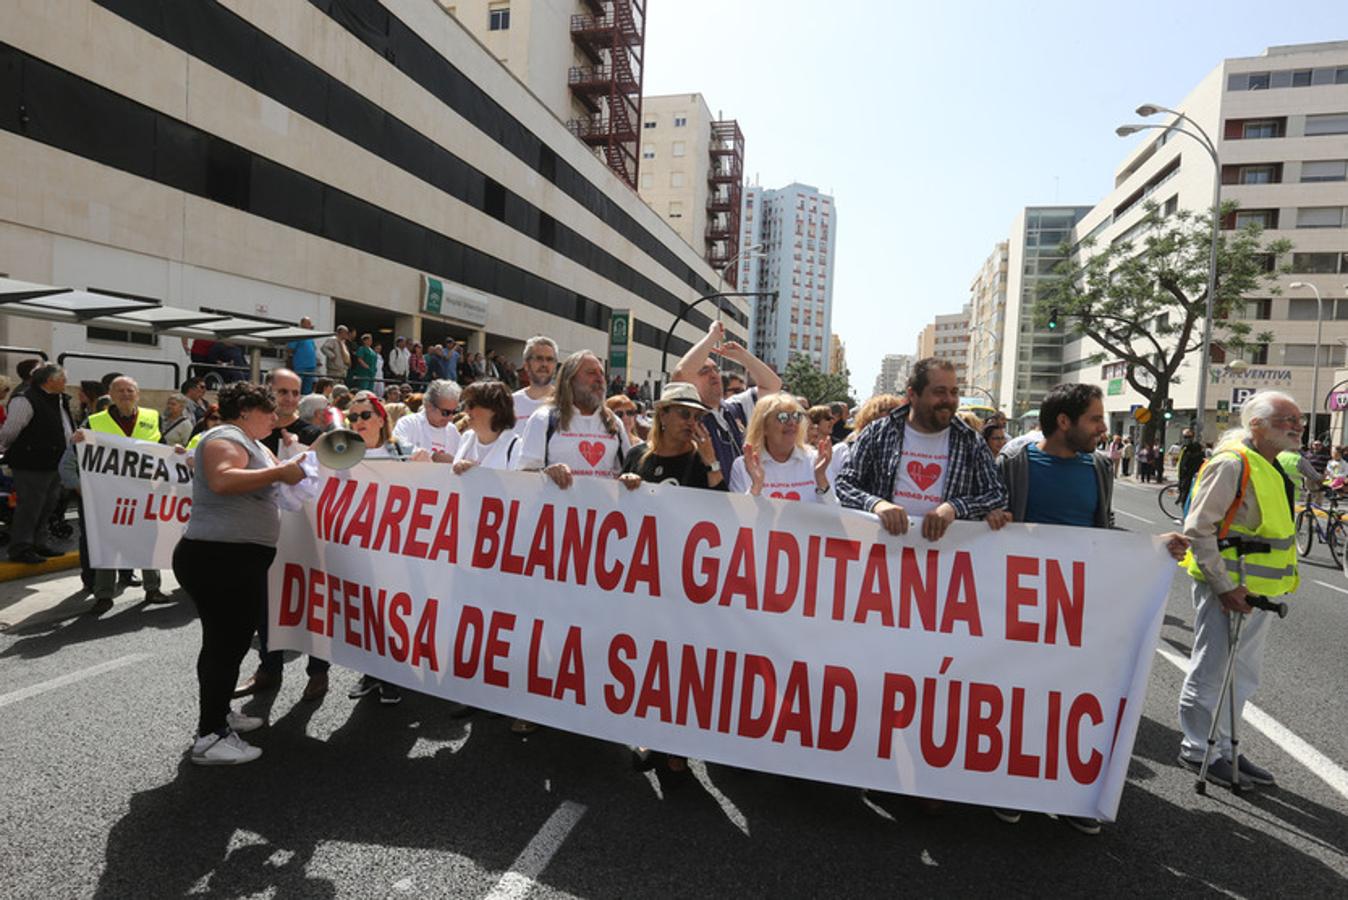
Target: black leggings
227	605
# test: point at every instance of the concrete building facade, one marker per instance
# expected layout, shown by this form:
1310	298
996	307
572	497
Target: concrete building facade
987	323
893	377
1280	121
796	229
273	160
837	354
948	338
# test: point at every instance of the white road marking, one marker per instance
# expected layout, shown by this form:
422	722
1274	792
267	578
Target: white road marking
70	678
1332	587
732	812
531	862
1124	512
1321	766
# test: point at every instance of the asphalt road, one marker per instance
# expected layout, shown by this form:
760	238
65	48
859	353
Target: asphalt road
354	799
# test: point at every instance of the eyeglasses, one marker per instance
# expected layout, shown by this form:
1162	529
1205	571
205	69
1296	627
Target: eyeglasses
682	412
788	417
625	413
552	360
1283	420
444	412
362	416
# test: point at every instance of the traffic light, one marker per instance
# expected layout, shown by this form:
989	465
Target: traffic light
1053	319
1169	410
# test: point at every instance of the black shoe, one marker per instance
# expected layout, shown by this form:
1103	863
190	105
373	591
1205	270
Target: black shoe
1084	824
157	596
29	557
100	606
1009	816
389	694
49	552
128	581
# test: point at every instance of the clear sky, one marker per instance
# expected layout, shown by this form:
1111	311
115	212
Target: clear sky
932	123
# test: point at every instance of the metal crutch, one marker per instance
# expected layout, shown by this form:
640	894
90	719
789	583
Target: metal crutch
1228	691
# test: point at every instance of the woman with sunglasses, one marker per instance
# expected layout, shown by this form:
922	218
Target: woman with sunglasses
776	462
680	452
367	417
626	411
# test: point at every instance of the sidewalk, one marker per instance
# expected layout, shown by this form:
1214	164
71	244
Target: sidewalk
43	598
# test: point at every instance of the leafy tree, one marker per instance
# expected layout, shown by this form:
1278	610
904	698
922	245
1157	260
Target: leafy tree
1143	301
803	379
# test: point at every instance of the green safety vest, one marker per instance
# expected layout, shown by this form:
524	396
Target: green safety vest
147	425
1274	573
1290	461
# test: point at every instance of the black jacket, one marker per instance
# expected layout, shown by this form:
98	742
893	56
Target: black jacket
40	445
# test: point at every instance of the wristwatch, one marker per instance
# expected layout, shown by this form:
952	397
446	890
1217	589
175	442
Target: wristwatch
823	490
714	466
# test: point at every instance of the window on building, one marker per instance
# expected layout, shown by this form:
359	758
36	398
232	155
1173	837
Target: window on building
1264	218
1171	206
1320	217
675	209
1301	78
676	179
498	18
1332	123
93	333
1260	128
648	151
1341	76
680	121
1316	263
646	180
1258	81
680	148
1324	170
649	123
1261	174
1304	355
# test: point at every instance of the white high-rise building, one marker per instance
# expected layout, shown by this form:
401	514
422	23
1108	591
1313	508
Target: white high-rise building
795	231
894	369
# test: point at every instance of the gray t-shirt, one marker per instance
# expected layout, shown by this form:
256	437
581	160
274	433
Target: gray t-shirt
252	518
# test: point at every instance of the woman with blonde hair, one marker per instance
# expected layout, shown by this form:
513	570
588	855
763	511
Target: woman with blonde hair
625	408
776	462
821	424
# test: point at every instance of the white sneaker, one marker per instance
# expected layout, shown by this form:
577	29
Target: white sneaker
237	721
230	750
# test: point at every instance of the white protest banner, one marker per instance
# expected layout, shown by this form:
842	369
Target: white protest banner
1003	668
137	499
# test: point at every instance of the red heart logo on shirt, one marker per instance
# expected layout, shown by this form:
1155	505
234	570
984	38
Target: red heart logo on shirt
924	476
593	451
788	495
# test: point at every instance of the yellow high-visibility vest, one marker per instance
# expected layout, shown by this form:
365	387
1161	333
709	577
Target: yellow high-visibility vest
147	425
1273	573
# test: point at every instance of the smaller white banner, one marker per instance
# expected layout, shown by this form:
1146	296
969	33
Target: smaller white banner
137	500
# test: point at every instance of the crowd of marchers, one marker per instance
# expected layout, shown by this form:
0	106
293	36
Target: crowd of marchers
914	461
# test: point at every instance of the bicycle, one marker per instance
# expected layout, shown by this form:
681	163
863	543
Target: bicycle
1309	529
1171	503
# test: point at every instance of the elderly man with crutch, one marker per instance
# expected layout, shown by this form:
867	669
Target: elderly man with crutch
1243	552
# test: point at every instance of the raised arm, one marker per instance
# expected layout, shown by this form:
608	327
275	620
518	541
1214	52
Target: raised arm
697	355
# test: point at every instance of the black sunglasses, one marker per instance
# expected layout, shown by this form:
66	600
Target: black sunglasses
362	416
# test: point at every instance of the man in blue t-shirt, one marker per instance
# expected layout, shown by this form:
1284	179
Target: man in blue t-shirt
1062	480
304	358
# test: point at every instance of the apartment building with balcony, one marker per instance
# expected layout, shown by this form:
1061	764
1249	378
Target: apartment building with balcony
987	322
947	337
1280	124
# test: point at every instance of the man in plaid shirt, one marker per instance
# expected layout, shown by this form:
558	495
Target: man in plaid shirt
921	461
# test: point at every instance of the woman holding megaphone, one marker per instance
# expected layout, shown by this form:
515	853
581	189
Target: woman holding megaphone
235	523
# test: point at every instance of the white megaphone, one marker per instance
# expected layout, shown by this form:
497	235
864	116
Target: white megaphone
339	447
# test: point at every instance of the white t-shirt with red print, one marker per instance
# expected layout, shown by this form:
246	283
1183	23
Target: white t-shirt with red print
919	484
585	445
790	480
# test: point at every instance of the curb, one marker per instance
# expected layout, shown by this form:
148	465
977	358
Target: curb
13	571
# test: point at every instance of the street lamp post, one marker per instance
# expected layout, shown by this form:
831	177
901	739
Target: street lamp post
683	314
1151	109
1315	370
